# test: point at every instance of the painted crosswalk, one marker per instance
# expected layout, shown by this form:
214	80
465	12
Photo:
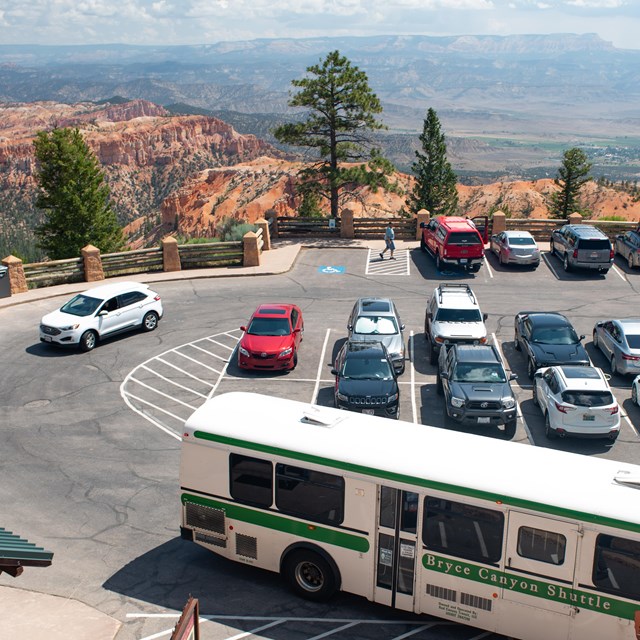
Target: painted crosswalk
400	265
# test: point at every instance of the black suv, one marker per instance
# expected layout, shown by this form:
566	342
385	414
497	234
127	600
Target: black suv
366	380
476	387
582	246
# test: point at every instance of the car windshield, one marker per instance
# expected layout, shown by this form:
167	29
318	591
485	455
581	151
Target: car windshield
479	372
458	315
367	369
588	398
521	242
378	325
555	335
81	305
269	327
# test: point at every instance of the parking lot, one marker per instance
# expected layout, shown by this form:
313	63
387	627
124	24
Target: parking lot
90	441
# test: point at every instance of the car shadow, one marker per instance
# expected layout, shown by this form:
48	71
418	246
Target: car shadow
623	266
426	266
574	275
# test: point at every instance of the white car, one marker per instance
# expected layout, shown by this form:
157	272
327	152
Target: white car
100	312
515	247
635	391
576	400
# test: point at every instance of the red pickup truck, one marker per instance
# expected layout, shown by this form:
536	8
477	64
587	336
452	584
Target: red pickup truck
455	241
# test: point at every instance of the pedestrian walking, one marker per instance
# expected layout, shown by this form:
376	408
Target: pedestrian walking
389	237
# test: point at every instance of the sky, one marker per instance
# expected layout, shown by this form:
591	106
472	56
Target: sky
175	22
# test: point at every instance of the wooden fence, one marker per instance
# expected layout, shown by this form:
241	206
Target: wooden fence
214	254
374	228
47	274
289	227
126	262
541	229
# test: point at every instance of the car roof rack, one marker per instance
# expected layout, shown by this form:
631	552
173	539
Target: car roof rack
447	286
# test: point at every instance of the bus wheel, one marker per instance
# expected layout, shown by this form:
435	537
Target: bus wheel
309	575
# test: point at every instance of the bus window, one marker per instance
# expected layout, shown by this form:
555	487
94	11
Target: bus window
250	480
409	513
463	530
617	566
543	546
388	497
312	495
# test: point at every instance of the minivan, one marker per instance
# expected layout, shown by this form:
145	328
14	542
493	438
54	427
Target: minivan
582	246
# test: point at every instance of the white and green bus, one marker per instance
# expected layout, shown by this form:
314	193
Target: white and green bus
519	540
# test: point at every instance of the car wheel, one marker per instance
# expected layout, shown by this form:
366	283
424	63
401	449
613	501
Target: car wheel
551	247
565	263
88	341
438	262
534	396
150	321
433	354
548	431
510	429
595	338
531	369
295	360
630	261
309	575
516	344
501	258
634	394
613	365
439	387
423	245
603	271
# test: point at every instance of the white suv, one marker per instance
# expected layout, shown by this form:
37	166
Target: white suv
453	316
576	400
100	312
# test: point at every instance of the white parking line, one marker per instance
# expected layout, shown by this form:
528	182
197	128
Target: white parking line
486	262
548	262
620	274
193	345
519	410
184	355
160	393
224	346
412	369
246	634
314	397
173	382
336	630
633	428
173	434
182	371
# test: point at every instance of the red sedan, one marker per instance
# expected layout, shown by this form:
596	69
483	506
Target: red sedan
272	338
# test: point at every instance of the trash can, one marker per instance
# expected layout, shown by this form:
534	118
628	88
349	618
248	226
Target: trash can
5	284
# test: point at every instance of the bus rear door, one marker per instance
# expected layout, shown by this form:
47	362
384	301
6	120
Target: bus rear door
539	575
395	577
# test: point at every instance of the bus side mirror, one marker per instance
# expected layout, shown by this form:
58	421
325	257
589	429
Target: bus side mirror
513	376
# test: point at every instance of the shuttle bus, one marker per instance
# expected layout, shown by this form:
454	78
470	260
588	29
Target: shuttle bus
519	540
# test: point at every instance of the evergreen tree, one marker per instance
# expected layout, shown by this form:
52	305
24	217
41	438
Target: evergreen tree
341	112
74	197
573	173
435	185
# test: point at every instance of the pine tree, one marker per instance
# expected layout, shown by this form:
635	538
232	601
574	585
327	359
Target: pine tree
435	185
341	112
73	196
573	173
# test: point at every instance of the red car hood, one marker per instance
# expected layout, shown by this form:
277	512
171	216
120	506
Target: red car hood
268	344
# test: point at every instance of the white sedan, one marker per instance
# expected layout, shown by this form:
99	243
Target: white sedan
100	312
515	247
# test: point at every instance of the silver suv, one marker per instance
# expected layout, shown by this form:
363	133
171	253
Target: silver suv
378	319
476	387
582	246
453	316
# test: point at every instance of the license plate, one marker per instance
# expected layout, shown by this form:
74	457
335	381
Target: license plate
463	261
369	412
484	420
588	418
46	338
594	255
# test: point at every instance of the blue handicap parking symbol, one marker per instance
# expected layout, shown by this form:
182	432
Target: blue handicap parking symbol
331	270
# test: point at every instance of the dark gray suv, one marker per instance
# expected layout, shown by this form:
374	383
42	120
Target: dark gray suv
582	246
476	387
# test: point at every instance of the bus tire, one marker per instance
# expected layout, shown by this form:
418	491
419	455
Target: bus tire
309	575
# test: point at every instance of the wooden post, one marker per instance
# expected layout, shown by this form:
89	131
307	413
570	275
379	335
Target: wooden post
17	279
93	271
170	254
251	256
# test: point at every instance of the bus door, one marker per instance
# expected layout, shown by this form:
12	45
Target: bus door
540	563
395	578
